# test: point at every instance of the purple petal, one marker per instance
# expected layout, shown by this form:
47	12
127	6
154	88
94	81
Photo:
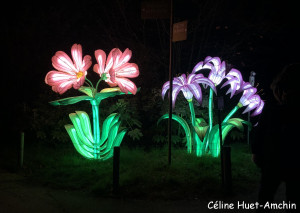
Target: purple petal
175	92
206	81
165	87
259	108
198	66
196	91
182	79
190	78
201	66
215	61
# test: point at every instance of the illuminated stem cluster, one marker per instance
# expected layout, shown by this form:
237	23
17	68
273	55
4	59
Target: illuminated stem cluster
96	127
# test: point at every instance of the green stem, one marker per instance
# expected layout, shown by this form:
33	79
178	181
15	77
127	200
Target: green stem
239	105
96	127
89	82
193	118
98	84
210	110
192	111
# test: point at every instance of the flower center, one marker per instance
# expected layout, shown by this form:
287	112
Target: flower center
79	74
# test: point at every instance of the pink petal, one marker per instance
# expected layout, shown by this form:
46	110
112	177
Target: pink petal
126	85
86	63
62	88
129	70
55	77
100	57
76	52
125	57
60	81
78	84
110	59
116	55
62	62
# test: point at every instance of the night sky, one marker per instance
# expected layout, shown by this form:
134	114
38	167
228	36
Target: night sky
260	36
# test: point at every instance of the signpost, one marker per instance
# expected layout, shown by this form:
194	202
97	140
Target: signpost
163	9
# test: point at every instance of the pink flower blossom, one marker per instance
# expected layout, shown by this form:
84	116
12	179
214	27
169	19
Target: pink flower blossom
68	73
117	69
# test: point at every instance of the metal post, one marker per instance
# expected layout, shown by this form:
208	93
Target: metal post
116	169
171	85
227	178
22	149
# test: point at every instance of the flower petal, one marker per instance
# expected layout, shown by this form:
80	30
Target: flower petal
259	108
128	70
165	88
62	62
100	57
206	81
196	91
126	85
176	90
86	63
60	81
110	59
200	65
126	55
76	52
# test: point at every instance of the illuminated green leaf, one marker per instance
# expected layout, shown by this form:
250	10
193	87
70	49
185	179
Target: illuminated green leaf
71	100
87	90
76	142
185	126
79	127
107	124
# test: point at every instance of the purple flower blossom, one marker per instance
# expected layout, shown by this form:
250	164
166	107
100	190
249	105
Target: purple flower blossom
189	86
252	101
217	68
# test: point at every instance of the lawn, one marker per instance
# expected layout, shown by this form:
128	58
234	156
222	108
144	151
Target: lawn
143	174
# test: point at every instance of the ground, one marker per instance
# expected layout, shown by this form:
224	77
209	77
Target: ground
18	196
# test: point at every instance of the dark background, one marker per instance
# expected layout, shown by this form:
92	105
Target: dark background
260	36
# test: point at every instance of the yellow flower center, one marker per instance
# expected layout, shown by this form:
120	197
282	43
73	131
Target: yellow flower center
79	74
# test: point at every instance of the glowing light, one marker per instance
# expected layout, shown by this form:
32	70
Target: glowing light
69	73
117	69
235	80
86	144
188	85
88	139
217	68
203	137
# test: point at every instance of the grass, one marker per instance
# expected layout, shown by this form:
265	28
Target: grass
143	174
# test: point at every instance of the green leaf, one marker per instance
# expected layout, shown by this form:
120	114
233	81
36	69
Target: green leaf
185	126
70	100
87	90
109	92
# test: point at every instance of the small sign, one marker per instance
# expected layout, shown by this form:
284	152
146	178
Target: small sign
180	31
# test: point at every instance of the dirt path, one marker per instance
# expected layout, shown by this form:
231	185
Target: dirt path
17	196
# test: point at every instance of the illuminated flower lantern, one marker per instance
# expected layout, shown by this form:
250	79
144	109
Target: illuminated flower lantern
202	137
88	139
